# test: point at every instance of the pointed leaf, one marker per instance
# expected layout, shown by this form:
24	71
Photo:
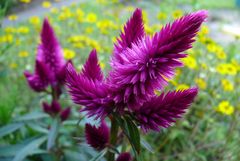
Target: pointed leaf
100	155
146	145
53	133
133	134
32	116
10	129
29	149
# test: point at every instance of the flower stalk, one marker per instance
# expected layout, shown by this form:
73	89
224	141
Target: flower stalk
113	138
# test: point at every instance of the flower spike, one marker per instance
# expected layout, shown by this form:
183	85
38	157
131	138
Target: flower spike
161	111
150	62
89	93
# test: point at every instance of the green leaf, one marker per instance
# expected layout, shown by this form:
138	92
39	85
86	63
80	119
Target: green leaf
31	116
10	129
37	128
146	145
53	133
133	134
29	149
10	150
100	155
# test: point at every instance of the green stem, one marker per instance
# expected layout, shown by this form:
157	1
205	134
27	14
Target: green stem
113	138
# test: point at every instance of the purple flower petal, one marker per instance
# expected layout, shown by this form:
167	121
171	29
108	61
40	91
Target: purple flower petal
39	80
133	31
91	68
89	93
163	110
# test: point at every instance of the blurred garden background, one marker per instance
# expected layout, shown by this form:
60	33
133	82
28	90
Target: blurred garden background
210	130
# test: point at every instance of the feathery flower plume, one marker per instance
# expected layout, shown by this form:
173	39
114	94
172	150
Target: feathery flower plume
88	88
161	111
97	137
124	157
150	61
50	64
140	64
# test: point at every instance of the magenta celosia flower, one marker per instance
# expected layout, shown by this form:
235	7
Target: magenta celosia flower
161	111
140	64
88	88
97	137
150	61
50	65
124	157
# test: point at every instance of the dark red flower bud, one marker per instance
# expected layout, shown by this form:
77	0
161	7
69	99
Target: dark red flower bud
65	114
124	157
97	137
46	108
55	107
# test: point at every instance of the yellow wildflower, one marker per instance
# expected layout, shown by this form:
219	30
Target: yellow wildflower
10	30
54	10
78	45
177	13
13	17
201	83
204	66
8	38
161	16
182	86
88	30
190	62
145	16
13	65
23	54
23	30
204	31
157	27
221	54
104	2
46	4
34	20
130	8
212	47
80	15
25	1
102	65
236	64
227	85
148	29
68	54
91	17
114	39
225	107
227	68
